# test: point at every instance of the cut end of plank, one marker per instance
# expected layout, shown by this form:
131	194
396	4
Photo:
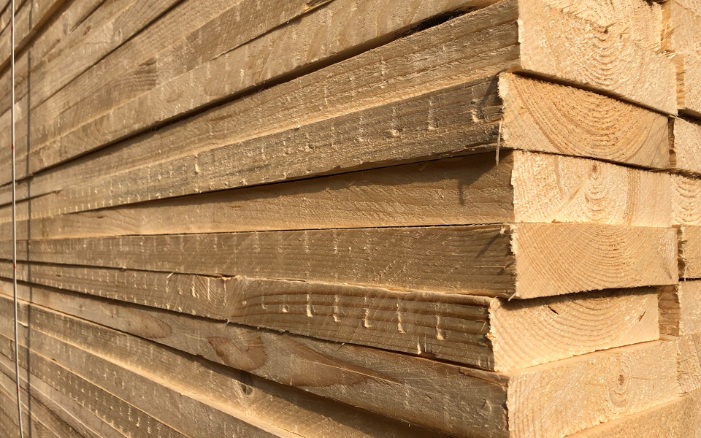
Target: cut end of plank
555	259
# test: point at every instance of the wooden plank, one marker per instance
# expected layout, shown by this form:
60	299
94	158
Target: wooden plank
549	61
639	136
74	414
689	252
223	392
686	145
38	412
480	332
689	362
32	16
371	379
624	372
682	38
218	36
686	191
109	26
675	419
207	43
495	260
680	309
521	187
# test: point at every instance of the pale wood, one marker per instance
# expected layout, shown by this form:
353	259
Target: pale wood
682	38
688	362
579	51
325	33
686	145
28	22
226	396
623	372
39	412
70	107
70	411
104	30
370	379
521	187
686	191
675	419
496	260
109	406
591	71
690	252
680	309
307	151
480	332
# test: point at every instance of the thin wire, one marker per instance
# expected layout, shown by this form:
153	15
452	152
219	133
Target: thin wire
14	218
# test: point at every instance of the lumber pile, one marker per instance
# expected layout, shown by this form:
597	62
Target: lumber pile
351	218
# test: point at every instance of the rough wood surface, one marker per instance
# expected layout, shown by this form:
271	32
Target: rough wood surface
688	362
484	333
680	309
686	209
496	260
211	400
360	140
625	388
63	423
686	145
28	22
521	187
675	419
596	72
689	252
682	38
79	417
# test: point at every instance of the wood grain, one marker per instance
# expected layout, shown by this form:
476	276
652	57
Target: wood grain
680	309
495	260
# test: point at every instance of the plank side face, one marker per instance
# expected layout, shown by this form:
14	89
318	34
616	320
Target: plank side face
553	259
69	340
542	116
689	362
371	379
594	56
532	332
624	387
682	21
477	260
464	330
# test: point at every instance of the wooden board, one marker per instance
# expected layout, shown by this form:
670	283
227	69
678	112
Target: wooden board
682	37
496	260
226	397
680	309
675	419
594	71
521	187
626	387
638	136
76	415
485	333
688	362
689	251
686	191
686	145
53	418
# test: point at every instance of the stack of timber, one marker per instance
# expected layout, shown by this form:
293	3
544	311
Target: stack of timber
352	218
